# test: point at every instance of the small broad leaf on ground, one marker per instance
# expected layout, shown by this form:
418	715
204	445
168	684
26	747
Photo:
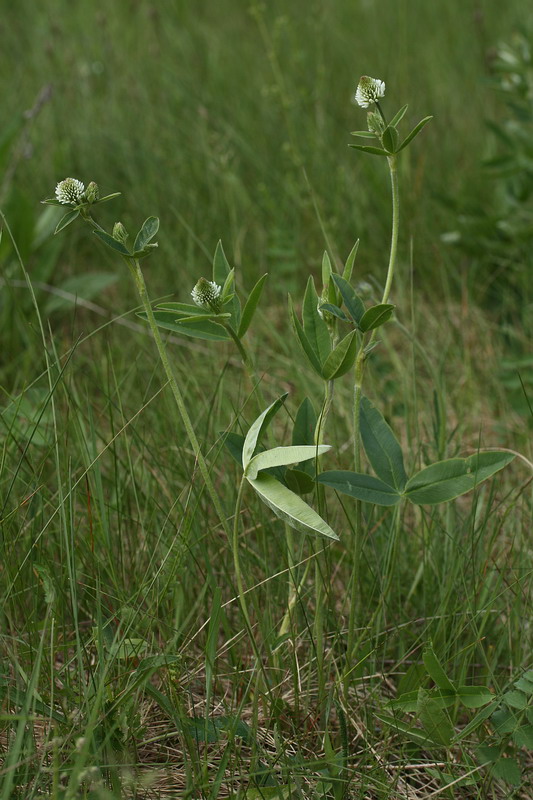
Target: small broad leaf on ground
381	446
436	672
448	479
474	696
508	770
363	487
290	508
257	428
434	720
282	456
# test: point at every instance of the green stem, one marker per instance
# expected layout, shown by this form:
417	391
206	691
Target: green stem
236	560
358	391
140	285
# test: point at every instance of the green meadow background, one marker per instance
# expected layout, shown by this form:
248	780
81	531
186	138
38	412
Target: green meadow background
230	120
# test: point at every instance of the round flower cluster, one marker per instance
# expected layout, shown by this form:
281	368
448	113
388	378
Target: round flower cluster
70	191
206	293
369	91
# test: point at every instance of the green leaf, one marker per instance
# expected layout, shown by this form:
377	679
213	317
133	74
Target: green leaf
523	736
299	481
302	338
86	286
342	358
202	317
474	696
381	446
108	197
147	232
476	722
282	456
257	428
234	443
416	735
363	487
398	117
251	305
315	329
227	292
515	700
436	672
416	130
67	219
305	421
184	308
112	243
508	770
524	685
435	722
335	310
390	138
197	330
376	151
326	269
504	721
352	301
448	479
376	316
221	267
210	730
289	507
350	261
363	134
409	701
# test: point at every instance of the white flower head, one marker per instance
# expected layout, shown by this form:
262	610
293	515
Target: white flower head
206	293
369	91
70	191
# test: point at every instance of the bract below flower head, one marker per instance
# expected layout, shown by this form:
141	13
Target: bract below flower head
369	90
206	293
70	191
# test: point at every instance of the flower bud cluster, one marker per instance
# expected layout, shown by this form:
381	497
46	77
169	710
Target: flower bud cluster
206	294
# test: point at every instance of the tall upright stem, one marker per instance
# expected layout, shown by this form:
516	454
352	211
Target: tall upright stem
140	285
358	391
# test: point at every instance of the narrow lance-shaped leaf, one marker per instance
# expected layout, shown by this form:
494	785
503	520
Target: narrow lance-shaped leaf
436	672
112	243
326	268
342	358
335	310
221	267
147	232
350	261
302	338
282	456
376	316
381	446
362	487
315	328
416	130
303	431
376	151
204	329
67	219
390	138
290	508
449	479
398	116
251	305
352	301
257	428
363	134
